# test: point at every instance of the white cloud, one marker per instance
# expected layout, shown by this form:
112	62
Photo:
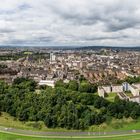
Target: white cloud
70	22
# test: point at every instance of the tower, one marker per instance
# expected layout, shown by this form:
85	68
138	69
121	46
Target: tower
52	57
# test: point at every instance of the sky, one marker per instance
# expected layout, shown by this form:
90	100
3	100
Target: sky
70	22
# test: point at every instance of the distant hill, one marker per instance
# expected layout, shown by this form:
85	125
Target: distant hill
134	48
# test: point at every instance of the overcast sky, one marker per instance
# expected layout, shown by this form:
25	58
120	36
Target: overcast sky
70	22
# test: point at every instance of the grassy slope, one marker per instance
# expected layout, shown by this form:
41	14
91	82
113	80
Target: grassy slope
4	136
9	121
117	125
123	124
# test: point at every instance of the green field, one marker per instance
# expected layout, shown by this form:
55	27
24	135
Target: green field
4	136
28	53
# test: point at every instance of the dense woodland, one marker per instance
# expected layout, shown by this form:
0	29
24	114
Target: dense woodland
72	106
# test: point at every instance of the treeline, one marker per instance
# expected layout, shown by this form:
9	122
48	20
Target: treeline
130	80
81	85
62	106
133	79
11	56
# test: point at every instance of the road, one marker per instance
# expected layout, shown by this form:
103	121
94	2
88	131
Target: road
67	134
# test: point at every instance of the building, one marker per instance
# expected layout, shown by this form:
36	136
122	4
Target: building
52	58
121	90
50	83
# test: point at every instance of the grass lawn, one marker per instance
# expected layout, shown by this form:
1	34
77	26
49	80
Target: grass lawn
4	136
111	97
28	53
128	93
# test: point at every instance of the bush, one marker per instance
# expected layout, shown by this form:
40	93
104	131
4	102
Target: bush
37	125
73	85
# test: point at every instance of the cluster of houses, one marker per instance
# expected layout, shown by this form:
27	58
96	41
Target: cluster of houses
125	91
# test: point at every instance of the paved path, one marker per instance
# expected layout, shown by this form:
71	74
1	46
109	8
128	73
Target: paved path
67	134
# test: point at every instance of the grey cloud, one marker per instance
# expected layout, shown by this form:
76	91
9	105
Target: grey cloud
30	41
117	16
68	21
76	17
120	25
105	38
7	12
6	31
43	39
24	6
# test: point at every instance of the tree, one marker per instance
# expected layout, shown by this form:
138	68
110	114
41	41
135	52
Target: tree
126	114
60	83
25	83
73	85
133	114
84	87
60	107
112	109
48	120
